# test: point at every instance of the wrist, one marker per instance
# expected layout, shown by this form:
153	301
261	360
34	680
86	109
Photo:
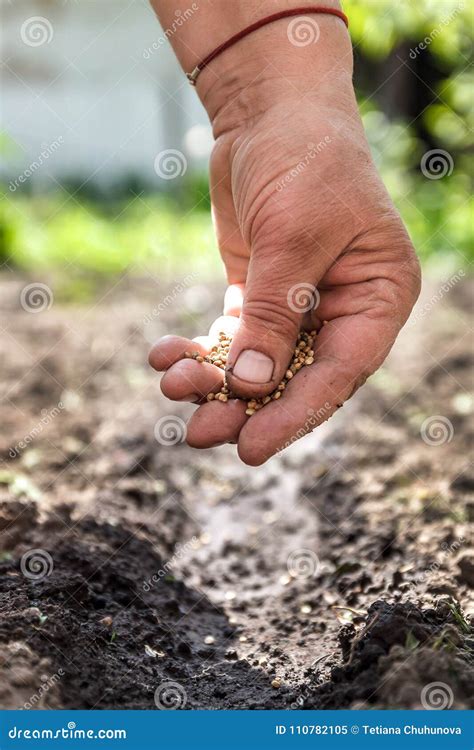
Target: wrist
297	57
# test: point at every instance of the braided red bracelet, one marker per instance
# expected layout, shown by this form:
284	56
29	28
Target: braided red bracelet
192	77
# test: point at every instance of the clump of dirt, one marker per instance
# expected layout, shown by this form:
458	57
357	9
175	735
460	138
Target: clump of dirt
136	574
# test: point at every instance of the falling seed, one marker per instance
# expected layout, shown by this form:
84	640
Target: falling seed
305	609
276	683
209	640
249	412
243	639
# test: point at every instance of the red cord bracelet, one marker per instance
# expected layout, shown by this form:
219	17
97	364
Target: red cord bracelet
192	77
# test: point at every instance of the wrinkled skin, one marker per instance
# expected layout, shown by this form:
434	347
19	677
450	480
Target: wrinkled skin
329	224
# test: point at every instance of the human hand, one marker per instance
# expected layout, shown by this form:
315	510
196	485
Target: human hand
308	235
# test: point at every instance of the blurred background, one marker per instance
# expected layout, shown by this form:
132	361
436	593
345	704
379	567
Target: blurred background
105	146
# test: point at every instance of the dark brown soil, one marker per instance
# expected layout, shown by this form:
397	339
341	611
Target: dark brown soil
371	521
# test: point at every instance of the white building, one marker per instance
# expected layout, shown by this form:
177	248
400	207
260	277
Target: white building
91	91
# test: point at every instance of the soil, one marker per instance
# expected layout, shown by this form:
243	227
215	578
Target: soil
339	575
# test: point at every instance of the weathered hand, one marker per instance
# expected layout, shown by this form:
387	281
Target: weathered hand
309	237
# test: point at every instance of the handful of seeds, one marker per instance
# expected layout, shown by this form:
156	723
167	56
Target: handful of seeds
302	355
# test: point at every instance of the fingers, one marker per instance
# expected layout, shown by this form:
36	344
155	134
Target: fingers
170	349
347	351
188	380
280	288
216	423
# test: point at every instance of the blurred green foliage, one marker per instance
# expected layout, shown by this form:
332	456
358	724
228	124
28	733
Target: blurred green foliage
68	231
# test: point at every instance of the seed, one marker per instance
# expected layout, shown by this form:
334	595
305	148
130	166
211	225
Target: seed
276	683
302	355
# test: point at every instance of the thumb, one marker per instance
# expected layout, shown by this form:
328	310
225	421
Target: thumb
278	292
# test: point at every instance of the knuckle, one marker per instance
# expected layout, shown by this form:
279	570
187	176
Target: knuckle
274	316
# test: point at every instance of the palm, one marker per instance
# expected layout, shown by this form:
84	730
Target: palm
325	227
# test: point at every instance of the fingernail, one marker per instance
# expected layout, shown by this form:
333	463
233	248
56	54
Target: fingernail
254	367
190	398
